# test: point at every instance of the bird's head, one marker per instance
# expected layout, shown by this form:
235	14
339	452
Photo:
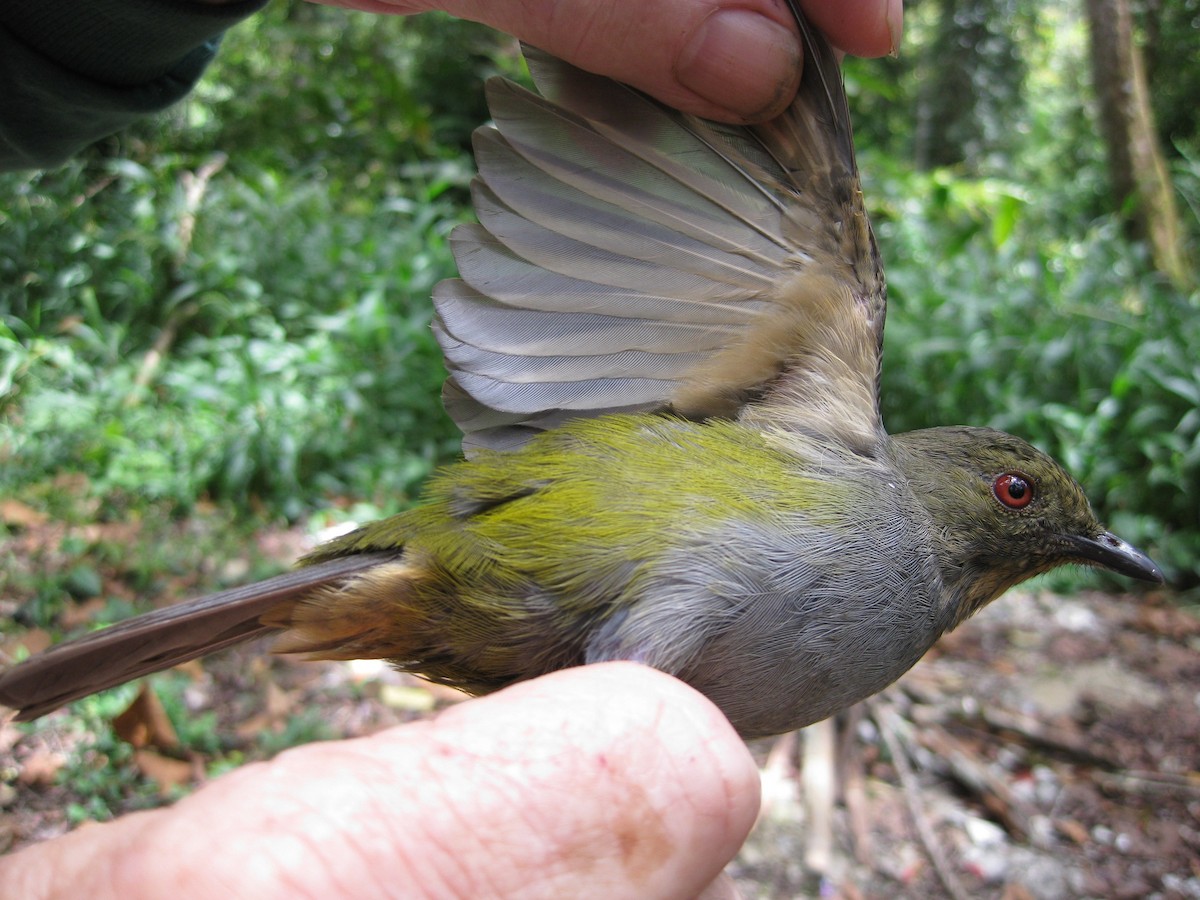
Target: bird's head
1003	511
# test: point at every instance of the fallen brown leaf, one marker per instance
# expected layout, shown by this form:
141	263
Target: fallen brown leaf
1075	831
77	614
41	767
164	771
35	640
278	705
20	515
144	723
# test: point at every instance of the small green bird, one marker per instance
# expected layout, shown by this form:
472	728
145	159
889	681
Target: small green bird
664	353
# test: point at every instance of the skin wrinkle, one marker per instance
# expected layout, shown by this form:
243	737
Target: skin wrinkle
111	865
641	834
396	839
334	825
559	830
292	883
446	867
346	879
146	871
575	29
510	765
495	845
280	864
400	839
291	846
638	853
441	877
564	840
566	850
445	842
610	845
619	834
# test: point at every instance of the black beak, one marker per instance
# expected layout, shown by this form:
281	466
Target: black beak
1111	552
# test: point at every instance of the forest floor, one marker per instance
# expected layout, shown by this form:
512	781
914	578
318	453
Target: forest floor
1049	748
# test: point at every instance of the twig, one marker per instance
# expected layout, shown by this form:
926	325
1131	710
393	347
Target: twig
1038	733
779	775
993	792
194	186
853	780
1149	783
93	189
820	788
158	350
891	731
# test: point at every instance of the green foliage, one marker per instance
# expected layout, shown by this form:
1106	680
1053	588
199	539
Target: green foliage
100	772
304	727
302	338
143	551
265	337
302	85
970	86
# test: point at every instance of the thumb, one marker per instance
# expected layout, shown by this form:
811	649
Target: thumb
730	60
710	57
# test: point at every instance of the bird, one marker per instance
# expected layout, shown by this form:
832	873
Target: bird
664	349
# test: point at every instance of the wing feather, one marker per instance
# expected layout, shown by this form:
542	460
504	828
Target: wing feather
631	257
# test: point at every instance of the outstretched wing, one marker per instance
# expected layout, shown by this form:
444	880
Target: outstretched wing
630	257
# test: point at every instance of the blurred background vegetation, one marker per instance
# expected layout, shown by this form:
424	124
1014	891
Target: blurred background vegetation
227	307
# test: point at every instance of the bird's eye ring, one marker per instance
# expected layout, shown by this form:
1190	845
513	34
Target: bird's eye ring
1013	490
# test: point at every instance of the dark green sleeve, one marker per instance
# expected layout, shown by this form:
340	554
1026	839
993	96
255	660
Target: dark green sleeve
72	72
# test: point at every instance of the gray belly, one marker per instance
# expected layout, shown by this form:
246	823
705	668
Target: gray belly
784	624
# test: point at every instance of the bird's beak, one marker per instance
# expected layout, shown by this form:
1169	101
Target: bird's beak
1111	552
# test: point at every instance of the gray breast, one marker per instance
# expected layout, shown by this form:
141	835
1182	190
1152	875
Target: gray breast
785	621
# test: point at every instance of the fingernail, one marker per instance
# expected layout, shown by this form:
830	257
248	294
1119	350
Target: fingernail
742	62
895	24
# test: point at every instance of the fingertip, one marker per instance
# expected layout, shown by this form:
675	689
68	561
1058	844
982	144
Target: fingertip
624	771
895	24
708	782
860	27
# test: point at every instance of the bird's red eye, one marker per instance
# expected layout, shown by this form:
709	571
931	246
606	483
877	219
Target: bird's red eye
1013	489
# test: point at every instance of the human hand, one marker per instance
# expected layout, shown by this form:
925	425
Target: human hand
604	781
726	60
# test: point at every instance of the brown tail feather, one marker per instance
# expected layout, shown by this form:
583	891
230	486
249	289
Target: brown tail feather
161	639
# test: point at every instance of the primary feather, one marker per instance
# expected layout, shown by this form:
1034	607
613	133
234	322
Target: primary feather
632	257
